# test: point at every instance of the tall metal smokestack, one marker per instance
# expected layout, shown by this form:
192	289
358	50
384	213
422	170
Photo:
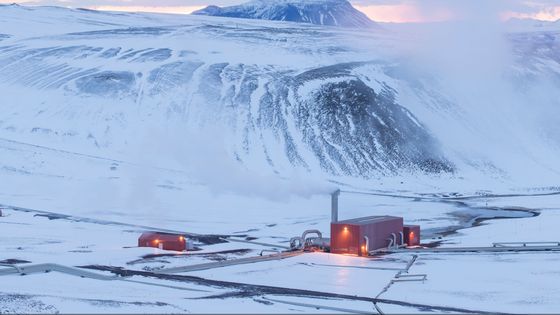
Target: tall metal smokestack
334	205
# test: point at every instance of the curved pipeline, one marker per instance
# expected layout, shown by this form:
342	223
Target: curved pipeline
390	243
18	269
394	236
78	272
304	235
41	268
293	242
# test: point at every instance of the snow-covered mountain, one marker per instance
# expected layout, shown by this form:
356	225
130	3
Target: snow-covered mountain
319	12
278	114
197	92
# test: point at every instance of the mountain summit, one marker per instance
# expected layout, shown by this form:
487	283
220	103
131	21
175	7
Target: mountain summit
319	12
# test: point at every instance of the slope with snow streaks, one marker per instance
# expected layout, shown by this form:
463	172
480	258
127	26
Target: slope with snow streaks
364	128
277	96
254	103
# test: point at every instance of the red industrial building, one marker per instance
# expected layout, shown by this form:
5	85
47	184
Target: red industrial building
165	241
411	235
362	235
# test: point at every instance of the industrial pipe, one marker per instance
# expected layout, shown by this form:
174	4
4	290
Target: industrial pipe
41	268
367	243
12	266
402	238
390	243
295	245
334	206
270	251
394	239
321	243
293	242
304	235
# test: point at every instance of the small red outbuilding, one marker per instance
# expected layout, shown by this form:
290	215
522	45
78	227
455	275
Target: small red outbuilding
165	241
411	235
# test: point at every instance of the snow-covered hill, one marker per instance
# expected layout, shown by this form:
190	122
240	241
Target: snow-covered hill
225	95
98	89
320	12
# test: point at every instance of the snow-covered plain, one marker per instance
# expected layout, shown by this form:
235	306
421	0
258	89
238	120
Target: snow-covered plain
110	117
516	283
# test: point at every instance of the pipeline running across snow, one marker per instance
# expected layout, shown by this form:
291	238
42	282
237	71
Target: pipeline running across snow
78	272
253	290
243	289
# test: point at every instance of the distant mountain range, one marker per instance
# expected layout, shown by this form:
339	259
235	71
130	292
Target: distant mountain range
319	12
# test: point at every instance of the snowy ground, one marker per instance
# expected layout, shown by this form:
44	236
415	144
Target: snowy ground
70	200
515	283
56	181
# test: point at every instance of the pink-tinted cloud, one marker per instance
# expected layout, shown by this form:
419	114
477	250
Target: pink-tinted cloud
545	14
403	13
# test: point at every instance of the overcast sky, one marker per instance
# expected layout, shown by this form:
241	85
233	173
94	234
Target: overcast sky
380	10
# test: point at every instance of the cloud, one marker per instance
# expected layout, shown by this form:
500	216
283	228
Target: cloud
443	10
506	111
543	14
402	13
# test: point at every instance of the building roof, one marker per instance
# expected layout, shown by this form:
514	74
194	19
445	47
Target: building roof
368	220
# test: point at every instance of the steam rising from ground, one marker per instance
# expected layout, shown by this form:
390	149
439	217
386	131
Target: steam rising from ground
204	157
474	63
207	158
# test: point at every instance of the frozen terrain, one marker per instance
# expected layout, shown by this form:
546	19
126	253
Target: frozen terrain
115	123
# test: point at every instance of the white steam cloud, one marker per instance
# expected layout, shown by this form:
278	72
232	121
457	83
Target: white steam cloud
474	60
203	155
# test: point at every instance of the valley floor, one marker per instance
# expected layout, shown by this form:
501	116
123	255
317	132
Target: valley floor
92	221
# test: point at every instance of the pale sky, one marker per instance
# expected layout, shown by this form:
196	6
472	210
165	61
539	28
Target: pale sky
377	10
